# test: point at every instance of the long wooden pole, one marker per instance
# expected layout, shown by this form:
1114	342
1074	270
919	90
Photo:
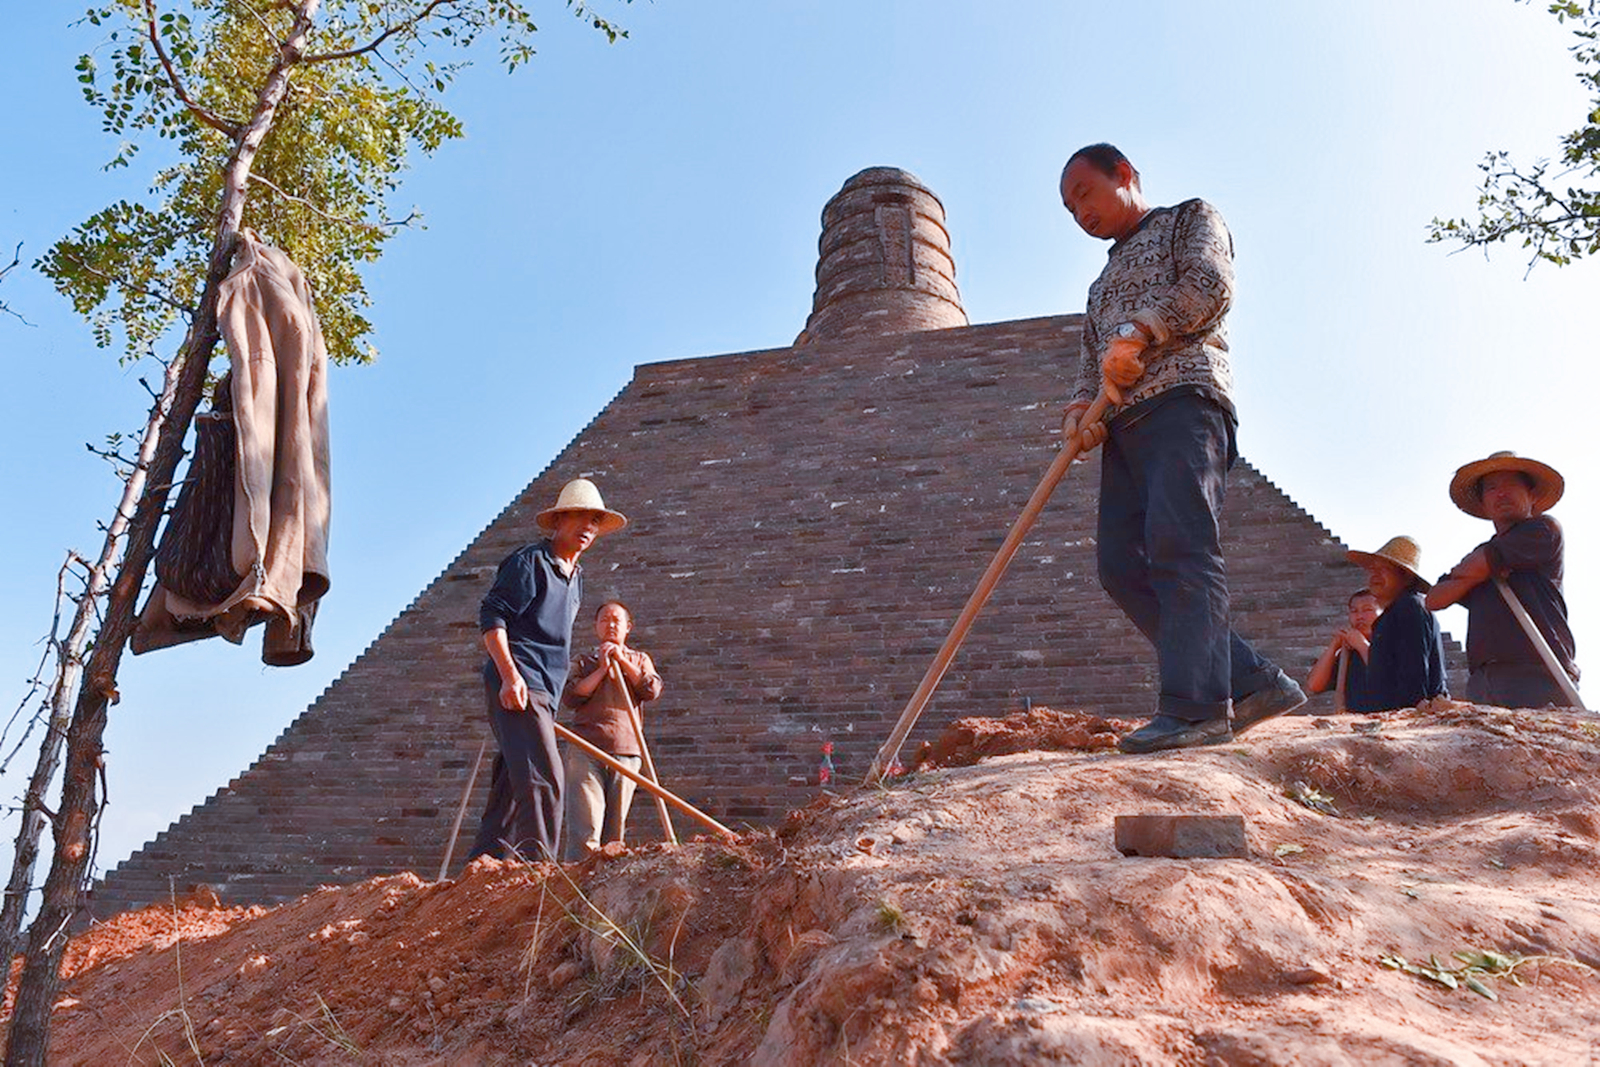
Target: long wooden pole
1540	645
980	596
461	812
610	761
1344	676
644	754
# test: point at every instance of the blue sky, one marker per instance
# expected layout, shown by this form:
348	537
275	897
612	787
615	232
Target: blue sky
659	199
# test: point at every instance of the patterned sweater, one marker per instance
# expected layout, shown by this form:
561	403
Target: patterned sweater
1174	276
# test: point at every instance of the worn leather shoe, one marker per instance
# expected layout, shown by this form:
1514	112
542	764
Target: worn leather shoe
1279	697
1167	731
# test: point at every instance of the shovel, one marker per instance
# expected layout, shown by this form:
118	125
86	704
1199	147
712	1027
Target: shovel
980	596
1540	645
600	756
644	752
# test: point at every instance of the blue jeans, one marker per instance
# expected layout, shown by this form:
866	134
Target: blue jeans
1163	475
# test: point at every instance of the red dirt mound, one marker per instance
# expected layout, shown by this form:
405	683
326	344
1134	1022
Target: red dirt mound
1420	890
966	741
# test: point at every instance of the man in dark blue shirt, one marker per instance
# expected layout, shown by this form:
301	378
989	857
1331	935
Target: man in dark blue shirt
526	619
1405	661
1526	552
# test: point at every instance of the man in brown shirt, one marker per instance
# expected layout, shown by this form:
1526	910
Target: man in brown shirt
597	796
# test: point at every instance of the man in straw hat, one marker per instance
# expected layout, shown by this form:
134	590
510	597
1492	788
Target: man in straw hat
1504	668
1405	660
526	619
1155	339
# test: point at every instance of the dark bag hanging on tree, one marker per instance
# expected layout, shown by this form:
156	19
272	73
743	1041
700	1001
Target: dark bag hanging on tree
195	559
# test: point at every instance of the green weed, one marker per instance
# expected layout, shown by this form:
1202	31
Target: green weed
1472	967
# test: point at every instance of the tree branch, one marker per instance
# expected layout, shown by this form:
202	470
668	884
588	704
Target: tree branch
385	224
205	116
121	283
372	45
16	257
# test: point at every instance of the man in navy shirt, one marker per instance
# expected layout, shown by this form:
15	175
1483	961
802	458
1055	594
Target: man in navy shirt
1405	660
1526	551
526	619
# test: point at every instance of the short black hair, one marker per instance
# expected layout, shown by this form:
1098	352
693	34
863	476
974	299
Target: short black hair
626	611
1358	593
1105	158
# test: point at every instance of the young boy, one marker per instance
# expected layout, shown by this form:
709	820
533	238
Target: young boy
1351	645
597	796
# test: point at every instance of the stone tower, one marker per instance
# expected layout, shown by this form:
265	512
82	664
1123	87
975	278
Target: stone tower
805	527
883	262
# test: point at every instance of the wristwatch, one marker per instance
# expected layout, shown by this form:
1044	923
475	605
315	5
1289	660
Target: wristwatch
1129	331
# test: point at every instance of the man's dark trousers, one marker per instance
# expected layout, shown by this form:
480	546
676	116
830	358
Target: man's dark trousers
1163	476
523	814
1514	685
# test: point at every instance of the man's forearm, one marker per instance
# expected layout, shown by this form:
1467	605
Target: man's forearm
499	649
1321	677
1449	591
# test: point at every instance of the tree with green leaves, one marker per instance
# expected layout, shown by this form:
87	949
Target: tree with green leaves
296	119
1552	205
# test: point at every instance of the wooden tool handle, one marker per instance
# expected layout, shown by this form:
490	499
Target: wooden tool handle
649	764
991	578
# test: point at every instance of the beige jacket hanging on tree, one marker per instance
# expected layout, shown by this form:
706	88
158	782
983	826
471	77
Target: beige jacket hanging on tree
279	543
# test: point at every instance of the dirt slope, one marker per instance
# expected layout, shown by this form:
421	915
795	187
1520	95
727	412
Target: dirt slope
972	915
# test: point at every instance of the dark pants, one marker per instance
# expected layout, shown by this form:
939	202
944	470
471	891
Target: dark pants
523	814
1162	481
1514	685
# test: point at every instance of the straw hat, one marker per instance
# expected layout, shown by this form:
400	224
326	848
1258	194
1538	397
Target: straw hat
1402	551
1547	484
581	494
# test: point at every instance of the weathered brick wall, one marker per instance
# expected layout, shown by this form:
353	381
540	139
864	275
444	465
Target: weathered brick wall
805	526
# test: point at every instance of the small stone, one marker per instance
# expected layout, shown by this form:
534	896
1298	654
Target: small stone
563	975
1181	836
1039	1006
435	983
1312	975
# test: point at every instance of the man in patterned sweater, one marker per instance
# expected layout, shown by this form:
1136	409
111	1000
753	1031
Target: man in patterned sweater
1155	339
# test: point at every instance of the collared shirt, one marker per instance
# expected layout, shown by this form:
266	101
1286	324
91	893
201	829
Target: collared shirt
1529	557
1405	664
536	604
601	718
1358	695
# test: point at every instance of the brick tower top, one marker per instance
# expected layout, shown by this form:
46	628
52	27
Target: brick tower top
883	261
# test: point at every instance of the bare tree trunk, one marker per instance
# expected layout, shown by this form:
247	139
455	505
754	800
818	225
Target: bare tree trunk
76	821
69	672
26	853
68	675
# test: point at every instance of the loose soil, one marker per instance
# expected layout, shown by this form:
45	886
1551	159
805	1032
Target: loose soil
967	915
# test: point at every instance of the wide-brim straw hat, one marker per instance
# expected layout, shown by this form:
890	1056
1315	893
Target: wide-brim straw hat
1402	551
581	494
1548	485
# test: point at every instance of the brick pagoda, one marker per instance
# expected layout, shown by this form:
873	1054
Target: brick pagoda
806	523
